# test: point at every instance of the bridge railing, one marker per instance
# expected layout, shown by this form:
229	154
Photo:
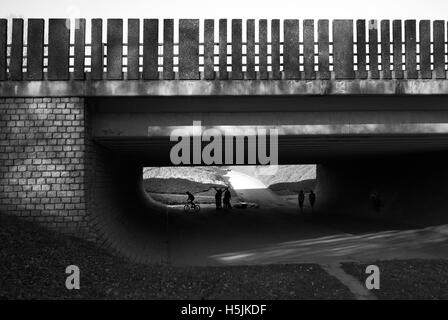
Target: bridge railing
305	50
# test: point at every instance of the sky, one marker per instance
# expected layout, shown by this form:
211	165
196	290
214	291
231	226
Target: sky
311	9
212	9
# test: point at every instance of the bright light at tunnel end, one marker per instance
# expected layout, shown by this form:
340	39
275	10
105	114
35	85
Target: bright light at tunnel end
261	150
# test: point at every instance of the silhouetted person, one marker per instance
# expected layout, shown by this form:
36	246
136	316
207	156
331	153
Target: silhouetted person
190	197
226	200
312	199
218	198
376	201
301	200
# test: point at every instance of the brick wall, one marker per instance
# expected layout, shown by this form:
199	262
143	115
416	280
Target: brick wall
42	162
54	174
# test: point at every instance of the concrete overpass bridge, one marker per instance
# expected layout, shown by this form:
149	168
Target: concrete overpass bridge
84	107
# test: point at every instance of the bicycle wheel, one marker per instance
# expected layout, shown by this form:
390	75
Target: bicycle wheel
186	207
197	208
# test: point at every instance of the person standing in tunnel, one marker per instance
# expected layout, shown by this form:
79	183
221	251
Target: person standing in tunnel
312	199
375	200
226	199
218	198
301	200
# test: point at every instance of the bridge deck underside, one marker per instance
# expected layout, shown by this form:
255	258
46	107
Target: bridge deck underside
294	149
309	129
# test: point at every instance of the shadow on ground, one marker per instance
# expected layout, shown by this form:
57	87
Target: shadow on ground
282	235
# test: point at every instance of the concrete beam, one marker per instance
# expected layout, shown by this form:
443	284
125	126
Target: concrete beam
304	123
294	149
303	136
135	88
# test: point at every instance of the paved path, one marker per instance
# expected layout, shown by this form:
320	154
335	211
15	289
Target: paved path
251	190
359	291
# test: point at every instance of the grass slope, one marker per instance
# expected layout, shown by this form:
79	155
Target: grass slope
33	262
407	279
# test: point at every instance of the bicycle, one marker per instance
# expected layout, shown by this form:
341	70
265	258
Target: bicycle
191	206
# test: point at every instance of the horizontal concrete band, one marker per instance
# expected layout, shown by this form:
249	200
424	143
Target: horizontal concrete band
300	130
291	149
411	129
148	124
134	88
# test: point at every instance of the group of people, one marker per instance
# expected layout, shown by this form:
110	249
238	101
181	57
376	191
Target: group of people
223	196
311	199
220	200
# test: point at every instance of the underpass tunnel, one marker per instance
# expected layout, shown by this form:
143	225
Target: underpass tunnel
387	175
411	192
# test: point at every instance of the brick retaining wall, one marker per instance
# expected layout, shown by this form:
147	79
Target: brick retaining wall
54	174
42	162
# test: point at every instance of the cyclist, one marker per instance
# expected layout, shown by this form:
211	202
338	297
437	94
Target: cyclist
190	199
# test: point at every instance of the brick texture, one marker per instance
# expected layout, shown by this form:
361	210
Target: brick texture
43	162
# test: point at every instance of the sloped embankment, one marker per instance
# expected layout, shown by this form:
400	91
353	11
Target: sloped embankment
33	261
288	179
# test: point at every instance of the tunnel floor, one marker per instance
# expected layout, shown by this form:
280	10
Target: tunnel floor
283	235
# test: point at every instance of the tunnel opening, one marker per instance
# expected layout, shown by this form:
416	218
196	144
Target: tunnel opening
140	210
169	185
263	208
